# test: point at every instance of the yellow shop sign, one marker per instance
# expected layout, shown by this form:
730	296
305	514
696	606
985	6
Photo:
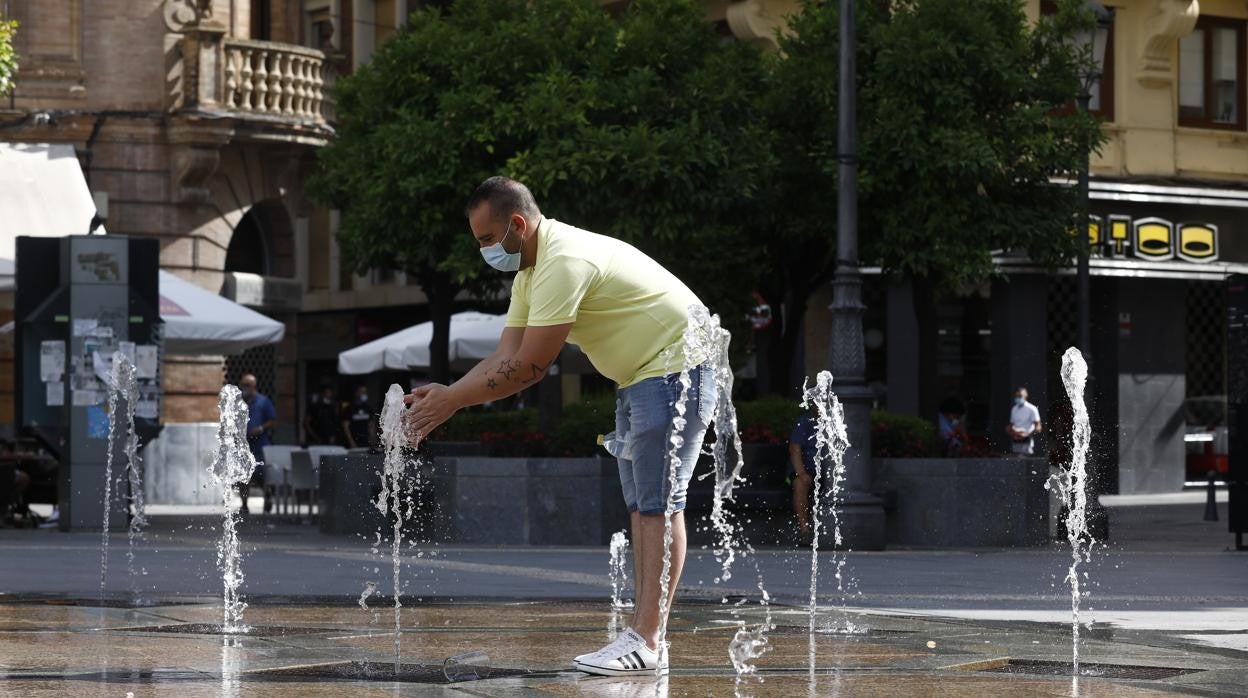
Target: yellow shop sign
1153	239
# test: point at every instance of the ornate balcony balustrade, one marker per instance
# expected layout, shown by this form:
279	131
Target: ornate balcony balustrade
263	77
273	81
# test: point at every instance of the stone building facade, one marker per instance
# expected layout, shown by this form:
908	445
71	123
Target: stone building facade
195	122
199	121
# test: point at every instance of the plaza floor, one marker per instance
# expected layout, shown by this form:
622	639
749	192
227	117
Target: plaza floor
1168	597
50	647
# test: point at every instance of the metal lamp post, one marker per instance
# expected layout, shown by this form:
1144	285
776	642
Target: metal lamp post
862	515
1093	39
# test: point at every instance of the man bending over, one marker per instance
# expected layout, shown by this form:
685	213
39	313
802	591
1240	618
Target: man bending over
628	314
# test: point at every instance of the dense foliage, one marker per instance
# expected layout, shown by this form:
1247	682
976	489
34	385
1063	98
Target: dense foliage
714	158
641	126
8	57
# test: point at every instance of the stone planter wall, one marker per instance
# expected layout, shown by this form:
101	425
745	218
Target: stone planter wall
964	502
490	501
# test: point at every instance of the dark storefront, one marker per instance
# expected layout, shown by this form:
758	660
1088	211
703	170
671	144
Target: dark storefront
1158	349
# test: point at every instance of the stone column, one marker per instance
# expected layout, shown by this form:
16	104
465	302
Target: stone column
202	66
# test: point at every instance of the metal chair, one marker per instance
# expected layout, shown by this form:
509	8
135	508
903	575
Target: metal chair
303	480
276	469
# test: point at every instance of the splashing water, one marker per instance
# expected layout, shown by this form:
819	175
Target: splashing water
728	438
108	483
706	341
125	380
123	393
1072	486
831	442
751	643
392	497
619	575
370	588
693	351
232	467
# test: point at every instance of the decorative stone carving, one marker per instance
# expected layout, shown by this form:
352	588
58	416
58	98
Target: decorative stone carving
192	167
195	152
760	21
1169	20
181	14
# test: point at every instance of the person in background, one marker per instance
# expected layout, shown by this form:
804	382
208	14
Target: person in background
802	454
1024	424
320	426
261	418
952	427
358	421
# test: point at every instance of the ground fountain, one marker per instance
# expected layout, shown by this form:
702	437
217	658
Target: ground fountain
1072	487
391	499
232	467
705	341
831	442
619	580
123	394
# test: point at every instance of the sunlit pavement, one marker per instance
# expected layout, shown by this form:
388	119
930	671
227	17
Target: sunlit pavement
1166	593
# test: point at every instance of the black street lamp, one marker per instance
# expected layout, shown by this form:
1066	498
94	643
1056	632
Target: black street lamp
862	514
1093	40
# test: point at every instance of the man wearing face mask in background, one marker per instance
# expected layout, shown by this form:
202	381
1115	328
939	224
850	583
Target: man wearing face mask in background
1024	424
627	313
358	421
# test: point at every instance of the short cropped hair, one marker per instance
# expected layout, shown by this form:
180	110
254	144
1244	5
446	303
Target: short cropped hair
505	197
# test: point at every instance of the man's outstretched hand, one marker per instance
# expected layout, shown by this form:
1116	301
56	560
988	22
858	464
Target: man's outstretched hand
429	406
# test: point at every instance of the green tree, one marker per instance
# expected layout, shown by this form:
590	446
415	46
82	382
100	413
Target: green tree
670	150
640	126
445	103
964	121
8	57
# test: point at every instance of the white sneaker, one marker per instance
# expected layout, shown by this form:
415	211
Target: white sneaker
627	656
619	639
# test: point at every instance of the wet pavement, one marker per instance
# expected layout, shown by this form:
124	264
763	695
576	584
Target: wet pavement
1169	601
50	648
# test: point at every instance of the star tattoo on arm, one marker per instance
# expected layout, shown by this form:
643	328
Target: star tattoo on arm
505	369
491	383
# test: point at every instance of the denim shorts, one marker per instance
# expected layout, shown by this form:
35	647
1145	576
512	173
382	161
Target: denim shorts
643	424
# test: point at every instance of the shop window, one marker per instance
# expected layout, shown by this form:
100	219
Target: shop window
319	27
1211	74
1102	102
261	20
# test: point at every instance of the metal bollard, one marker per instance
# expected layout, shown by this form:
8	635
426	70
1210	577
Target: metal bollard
1211	501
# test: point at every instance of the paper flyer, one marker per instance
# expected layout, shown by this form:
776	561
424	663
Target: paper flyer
51	360
56	393
85	327
87	398
146	361
97	422
103	365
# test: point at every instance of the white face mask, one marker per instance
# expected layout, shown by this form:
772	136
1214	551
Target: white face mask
500	258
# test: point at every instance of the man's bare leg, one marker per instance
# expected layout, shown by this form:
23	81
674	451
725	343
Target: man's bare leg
801	501
638	565
650	553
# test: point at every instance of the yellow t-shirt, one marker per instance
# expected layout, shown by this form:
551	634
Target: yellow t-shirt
625	308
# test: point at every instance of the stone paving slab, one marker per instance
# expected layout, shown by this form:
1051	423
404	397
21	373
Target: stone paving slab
50	649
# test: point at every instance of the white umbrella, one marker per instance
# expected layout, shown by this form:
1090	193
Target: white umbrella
42	193
474	336
200	322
